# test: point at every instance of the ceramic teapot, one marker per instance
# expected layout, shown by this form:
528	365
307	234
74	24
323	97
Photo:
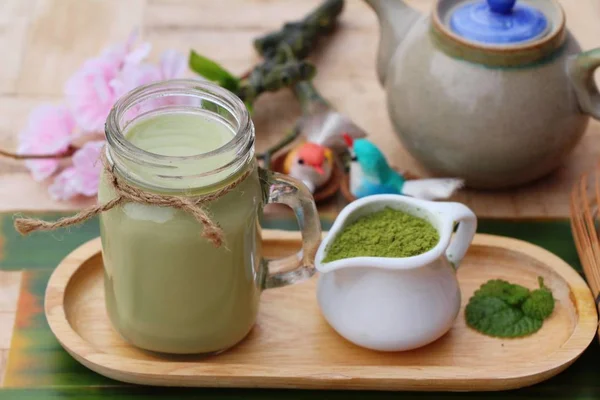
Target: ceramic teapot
495	92
395	304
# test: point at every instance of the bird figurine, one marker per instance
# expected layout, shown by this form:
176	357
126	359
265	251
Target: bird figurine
311	163
313	160
370	174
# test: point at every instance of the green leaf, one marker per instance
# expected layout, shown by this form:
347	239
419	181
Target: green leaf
494	317
212	71
540	304
512	294
501	309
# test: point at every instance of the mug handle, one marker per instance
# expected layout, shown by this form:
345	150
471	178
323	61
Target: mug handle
460	242
580	68
286	190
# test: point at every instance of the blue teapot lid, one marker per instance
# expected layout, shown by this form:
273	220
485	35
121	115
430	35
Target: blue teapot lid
498	22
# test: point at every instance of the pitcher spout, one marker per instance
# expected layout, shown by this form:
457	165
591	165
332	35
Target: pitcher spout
395	20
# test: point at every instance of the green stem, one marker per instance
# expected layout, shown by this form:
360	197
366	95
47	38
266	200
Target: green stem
270	77
308	96
284	52
290	45
302	35
16	156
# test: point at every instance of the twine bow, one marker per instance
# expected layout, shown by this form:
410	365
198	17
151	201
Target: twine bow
127	193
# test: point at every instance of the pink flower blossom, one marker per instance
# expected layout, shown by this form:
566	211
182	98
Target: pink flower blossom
90	94
95	87
83	177
133	76
49	131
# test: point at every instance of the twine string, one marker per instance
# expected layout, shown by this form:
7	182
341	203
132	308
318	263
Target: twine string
127	193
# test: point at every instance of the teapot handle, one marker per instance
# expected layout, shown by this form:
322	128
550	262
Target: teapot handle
467	227
581	68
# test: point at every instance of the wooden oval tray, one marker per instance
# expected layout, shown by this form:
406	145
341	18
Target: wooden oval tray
292	346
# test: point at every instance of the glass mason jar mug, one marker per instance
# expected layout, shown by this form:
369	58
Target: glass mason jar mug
168	288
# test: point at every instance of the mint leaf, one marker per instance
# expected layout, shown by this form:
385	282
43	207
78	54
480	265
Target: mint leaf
212	71
512	294
540	304
494	317
501	309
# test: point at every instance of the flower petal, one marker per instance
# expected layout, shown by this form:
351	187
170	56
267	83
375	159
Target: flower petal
89	93
139	54
63	187
88	166
135	75
42	169
49	130
172	64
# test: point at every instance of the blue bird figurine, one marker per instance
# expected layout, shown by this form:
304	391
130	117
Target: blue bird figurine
370	174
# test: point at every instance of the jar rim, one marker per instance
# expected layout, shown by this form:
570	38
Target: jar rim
120	150
115	136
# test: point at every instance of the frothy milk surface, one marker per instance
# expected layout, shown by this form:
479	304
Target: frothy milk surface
167	288
181	134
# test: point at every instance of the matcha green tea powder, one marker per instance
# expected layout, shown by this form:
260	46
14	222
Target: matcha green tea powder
386	233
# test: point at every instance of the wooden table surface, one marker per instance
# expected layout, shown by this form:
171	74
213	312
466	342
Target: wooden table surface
44	41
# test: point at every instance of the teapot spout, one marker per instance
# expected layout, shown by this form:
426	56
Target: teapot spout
395	19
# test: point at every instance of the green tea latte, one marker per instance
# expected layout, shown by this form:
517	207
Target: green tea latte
167	288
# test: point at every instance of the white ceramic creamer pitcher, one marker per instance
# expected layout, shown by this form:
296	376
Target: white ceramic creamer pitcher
393	304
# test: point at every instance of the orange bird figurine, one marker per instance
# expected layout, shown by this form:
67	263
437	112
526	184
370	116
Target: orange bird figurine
311	163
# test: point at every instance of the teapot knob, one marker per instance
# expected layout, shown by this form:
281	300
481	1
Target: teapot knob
501	6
